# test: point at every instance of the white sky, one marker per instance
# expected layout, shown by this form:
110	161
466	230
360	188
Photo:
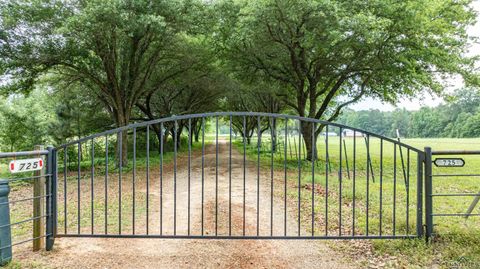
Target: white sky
426	99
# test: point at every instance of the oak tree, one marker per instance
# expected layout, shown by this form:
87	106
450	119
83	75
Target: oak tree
330	54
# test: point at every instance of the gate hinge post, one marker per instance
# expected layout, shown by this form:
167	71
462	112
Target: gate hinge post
51	197
428	194
5	228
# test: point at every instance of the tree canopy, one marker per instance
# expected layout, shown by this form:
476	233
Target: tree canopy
121	51
329	54
140	60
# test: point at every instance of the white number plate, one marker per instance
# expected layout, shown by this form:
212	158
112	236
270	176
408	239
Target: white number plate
449	162
26	165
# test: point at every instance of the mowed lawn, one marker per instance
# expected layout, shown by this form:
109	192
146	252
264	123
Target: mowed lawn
388	189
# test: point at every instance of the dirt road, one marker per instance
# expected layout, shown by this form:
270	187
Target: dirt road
201	253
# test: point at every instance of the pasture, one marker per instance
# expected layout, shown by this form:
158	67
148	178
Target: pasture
455	241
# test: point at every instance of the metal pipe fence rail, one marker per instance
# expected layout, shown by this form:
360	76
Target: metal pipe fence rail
189	177
447	168
26	216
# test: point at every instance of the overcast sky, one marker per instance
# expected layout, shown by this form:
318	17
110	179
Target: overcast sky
426	100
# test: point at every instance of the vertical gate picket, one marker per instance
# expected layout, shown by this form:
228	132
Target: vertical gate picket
134	177
340	181
285	179
230	179
420	169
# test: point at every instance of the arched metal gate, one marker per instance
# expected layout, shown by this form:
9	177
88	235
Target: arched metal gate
234	175
238	175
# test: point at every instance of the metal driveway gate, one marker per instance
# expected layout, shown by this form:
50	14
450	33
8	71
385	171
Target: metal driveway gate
238	175
231	175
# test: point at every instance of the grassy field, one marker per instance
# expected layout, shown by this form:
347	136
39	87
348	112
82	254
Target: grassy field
386	187
456	239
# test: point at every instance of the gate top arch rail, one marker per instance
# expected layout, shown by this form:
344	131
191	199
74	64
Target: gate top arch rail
238	114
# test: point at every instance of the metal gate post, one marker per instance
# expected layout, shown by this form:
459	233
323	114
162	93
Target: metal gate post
420	160
428	194
54	193
51	197
5	228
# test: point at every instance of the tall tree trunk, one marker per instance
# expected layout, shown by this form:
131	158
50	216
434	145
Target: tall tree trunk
124	149
190	137
307	137
196	129
274	135
158	133
179	135
259	138
122	119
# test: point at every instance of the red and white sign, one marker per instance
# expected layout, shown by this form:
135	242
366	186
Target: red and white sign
26	165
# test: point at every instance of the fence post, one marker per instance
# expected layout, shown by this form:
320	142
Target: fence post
428	194
51	197
420	161
5	229
38	207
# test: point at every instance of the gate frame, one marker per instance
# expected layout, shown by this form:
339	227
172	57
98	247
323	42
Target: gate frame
422	170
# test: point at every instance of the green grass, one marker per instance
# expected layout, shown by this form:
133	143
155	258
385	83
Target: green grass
456	239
